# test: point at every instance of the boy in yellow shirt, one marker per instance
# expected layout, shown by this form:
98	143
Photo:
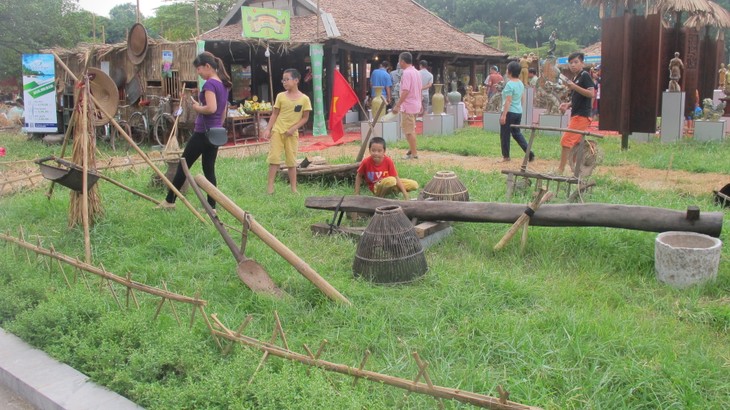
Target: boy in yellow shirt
291	112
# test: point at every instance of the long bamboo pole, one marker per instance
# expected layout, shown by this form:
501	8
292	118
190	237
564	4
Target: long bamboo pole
85	174
132	144
271	240
417	387
102	272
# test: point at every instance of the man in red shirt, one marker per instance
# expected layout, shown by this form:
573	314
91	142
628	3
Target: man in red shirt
492	80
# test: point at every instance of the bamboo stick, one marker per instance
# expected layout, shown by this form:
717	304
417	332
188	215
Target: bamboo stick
100	272
85	173
422	388
522	219
271	240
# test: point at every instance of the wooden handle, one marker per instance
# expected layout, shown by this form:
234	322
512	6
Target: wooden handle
271	240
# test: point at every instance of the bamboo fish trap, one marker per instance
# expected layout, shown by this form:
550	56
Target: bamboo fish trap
389	251
445	186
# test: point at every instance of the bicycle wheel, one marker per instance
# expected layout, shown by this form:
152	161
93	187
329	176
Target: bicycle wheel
163	127
138	127
116	137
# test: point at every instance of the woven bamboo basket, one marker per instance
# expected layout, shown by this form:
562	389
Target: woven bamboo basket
389	250
445	186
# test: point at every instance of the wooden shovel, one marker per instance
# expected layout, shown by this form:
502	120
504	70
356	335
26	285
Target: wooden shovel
251	273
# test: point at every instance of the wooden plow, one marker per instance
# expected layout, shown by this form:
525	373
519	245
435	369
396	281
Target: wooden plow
247	219
415	385
585	155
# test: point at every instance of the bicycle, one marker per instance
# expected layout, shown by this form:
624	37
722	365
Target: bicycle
109	132
162	121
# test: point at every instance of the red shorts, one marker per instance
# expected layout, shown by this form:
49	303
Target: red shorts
571	139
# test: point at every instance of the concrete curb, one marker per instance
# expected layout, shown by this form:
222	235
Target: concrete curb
50	385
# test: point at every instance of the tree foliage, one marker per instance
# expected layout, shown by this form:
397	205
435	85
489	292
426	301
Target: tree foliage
569	18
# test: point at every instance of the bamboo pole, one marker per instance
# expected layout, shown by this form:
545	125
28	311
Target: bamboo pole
271	240
85	173
136	148
126	188
364	145
475	399
66	136
540	198
102	273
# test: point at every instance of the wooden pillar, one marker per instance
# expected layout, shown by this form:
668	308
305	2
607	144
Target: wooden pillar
473	75
362	86
691	59
330	62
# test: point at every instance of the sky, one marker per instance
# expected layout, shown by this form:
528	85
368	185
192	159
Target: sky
102	7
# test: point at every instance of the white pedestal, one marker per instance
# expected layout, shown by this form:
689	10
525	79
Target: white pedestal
716	95
442	124
552	120
386	130
709	130
536	113
490	121
457	110
640	136
528	107
352	116
672	116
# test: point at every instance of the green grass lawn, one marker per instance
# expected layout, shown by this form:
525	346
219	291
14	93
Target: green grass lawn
577	321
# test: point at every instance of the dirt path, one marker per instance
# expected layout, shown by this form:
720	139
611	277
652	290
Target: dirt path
649	179
26	173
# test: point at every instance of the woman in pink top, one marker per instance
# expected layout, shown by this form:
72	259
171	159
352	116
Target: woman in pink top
409	102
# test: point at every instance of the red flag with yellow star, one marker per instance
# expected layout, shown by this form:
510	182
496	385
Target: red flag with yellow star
343	98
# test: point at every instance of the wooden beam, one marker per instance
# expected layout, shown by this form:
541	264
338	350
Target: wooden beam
643	218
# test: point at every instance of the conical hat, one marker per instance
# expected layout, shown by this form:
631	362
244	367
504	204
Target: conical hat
102	87
137	43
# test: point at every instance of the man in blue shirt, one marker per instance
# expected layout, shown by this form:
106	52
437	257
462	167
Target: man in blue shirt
381	78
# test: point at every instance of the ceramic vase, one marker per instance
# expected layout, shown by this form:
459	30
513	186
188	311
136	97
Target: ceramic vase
377	101
437	101
454	97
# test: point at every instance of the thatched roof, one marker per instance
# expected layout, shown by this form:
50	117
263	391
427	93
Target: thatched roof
378	25
593	49
719	17
688	6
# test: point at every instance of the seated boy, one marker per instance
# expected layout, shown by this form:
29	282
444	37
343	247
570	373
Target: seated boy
380	173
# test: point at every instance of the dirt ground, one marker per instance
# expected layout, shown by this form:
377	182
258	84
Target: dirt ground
20	175
649	179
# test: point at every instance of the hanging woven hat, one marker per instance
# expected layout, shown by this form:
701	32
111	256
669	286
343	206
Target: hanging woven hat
105	92
137	43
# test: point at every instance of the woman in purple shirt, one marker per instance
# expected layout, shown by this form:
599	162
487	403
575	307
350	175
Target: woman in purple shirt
211	108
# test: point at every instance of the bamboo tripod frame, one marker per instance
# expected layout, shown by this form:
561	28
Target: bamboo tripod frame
219	331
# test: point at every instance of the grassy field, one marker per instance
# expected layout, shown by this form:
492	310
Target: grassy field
577	321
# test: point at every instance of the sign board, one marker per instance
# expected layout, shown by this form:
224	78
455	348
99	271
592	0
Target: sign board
39	93
271	24
586	60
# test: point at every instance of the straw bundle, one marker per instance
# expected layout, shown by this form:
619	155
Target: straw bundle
389	250
445	186
84	146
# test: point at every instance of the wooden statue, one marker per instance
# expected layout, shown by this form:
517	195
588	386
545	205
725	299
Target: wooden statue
721	76
469	102
495	101
675	72
524	68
